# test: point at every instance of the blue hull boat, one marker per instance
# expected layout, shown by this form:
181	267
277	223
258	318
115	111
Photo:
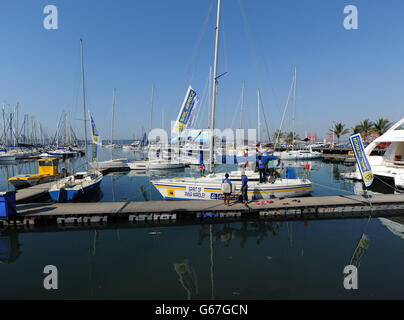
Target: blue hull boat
76	187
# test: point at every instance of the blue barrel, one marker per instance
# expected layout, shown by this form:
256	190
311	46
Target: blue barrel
8	208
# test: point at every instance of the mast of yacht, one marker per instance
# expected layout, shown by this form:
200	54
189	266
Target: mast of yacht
112	124
259	116
212	121
242	106
294	111
84	104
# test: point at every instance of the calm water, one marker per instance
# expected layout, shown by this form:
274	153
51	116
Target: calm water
251	259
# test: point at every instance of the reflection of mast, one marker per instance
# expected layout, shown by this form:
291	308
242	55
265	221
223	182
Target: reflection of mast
211	263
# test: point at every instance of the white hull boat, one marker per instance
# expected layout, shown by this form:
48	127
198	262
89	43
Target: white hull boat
209	187
5	156
111	164
298	154
155	165
391	164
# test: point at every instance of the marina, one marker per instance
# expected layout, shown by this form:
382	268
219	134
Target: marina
246	160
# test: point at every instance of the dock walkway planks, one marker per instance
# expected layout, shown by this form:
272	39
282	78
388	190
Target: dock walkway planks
310	207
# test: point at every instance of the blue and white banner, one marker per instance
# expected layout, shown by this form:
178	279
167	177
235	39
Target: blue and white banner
185	117
95	135
361	159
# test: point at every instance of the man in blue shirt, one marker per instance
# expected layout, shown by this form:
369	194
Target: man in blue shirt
261	169
244	188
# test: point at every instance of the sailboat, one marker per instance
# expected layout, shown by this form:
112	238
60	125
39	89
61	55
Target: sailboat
301	153
80	184
209	187
158	163
117	164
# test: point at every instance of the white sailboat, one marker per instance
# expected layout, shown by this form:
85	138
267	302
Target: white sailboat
118	164
158	163
307	153
209	187
81	184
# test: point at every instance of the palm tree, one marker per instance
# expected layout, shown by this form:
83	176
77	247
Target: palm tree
356	129
365	128
290	137
275	136
381	126
339	130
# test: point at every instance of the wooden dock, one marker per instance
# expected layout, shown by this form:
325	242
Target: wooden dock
306	208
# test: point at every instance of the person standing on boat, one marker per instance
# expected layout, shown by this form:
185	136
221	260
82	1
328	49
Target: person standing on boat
226	189
244	189
278	169
271	169
202	169
261	169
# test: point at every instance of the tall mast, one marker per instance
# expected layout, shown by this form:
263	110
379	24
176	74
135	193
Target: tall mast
151	110
112	125
210	95
242	106
84	104
212	121
294	111
259	118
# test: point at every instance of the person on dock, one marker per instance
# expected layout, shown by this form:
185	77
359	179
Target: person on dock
244	189
202	169
261	169
226	189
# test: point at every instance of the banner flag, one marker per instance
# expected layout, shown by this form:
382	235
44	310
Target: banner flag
96	137
361	159
186	115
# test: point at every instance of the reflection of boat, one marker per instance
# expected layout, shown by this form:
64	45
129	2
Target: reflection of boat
395	225
389	166
187	278
48	170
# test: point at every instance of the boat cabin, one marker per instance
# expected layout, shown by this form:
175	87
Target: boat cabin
49	166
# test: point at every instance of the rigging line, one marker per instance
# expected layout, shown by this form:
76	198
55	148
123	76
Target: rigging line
265	118
331	188
284	112
390	186
195	51
247	30
202	102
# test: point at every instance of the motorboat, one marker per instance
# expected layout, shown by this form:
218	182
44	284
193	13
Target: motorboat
298	154
390	165
48	170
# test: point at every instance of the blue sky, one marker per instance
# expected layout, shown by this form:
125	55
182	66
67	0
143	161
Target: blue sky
343	76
